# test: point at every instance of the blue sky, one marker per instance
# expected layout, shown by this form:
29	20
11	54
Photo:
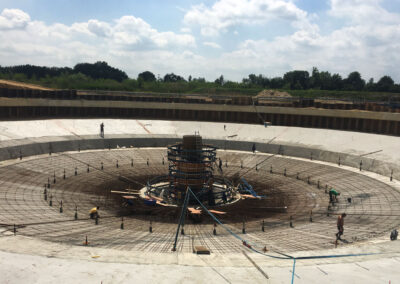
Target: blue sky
206	38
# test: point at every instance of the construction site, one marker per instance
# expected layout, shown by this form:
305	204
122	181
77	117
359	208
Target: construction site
187	189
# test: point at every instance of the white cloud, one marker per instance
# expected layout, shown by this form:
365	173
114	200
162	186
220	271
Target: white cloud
101	29
228	13
211	44
25	41
362	11
366	43
13	19
132	32
185	30
367	40
125	31
169	38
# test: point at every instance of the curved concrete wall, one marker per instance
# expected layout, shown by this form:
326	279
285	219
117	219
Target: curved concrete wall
14	149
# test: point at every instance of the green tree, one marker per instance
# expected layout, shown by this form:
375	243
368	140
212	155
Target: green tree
220	80
171	77
324	81
297	79
276	83
100	70
337	82
354	82
147	76
315	79
199	80
370	86
385	84
255	80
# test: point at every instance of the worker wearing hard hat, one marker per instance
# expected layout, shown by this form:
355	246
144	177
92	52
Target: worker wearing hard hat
94	212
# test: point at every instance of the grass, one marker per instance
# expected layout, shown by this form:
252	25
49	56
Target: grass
82	82
351	95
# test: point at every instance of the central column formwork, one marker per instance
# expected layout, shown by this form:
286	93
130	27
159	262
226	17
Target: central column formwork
191	170
190	165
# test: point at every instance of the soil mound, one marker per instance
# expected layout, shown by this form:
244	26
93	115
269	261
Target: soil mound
273	93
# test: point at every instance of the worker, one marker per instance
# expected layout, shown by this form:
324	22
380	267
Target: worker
224	127
102	130
224	199
220	164
253	148
94	212
340	224
393	235
333	194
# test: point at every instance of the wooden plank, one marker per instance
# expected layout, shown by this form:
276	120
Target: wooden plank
194	211
160	203
248	196
154	198
201	250
129	197
125	192
217	212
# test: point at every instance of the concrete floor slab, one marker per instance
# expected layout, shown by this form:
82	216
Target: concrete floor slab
38	260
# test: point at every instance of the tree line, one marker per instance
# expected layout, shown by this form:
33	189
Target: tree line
295	80
302	80
100	75
98	70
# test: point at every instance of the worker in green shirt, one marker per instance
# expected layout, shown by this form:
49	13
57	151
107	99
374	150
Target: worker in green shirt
333	195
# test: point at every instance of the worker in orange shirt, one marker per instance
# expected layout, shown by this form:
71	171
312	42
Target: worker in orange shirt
340	224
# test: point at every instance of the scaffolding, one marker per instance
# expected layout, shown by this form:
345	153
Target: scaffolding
191	164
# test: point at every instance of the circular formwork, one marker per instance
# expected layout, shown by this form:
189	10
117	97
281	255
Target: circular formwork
299	185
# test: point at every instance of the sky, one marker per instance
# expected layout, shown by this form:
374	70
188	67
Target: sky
209	38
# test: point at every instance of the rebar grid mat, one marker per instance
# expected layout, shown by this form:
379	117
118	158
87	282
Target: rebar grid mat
297	184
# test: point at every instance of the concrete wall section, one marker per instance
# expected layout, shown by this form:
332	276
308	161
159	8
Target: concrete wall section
343	119
7	102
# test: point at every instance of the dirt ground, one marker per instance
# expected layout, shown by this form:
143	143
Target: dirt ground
20	85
